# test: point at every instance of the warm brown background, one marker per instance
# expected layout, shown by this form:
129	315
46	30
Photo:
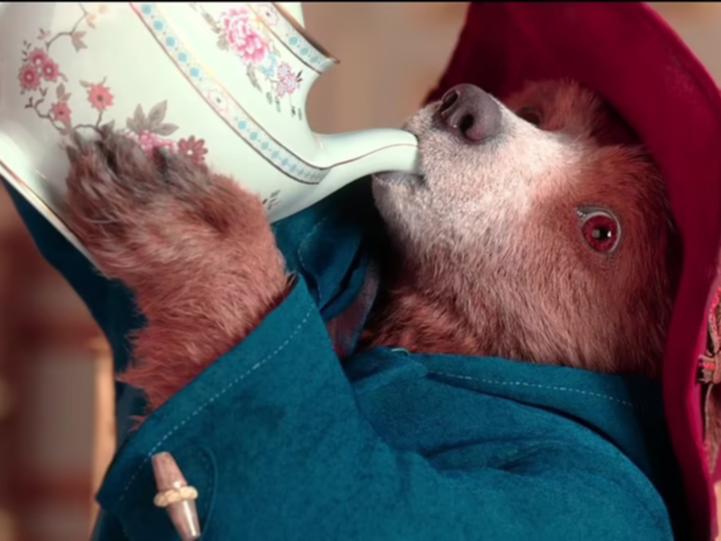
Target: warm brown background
55	391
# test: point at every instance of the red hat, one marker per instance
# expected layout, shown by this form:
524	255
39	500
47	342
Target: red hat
633	60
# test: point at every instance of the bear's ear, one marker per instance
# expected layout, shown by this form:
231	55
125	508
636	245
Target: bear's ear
610	128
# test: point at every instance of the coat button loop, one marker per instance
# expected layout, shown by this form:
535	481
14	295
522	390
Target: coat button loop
176	496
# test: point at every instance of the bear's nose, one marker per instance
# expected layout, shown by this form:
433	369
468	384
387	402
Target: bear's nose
469	112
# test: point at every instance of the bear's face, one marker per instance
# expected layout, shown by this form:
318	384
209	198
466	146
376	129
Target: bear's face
540	217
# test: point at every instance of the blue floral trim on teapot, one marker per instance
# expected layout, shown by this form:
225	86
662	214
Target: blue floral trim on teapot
223	103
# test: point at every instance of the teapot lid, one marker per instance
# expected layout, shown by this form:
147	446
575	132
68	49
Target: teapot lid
631	57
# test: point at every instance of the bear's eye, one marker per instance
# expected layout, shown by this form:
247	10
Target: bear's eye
600	228
531	114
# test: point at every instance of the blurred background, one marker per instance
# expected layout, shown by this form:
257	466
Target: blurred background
56	401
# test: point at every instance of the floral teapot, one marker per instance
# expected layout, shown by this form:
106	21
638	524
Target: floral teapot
222	83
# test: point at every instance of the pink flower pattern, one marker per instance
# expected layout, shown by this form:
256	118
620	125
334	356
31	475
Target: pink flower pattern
50	70
194	149
29	77
287	80
149	141
242	37
38	57
39	73
41	76
100	97
245	31
151	131
61	112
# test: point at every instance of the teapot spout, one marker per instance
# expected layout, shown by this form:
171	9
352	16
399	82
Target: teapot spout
370	151
354	155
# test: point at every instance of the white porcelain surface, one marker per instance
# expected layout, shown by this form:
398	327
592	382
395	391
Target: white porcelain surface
225	83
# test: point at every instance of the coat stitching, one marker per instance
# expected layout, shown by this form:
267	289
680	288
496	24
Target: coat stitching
212	399
537	386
